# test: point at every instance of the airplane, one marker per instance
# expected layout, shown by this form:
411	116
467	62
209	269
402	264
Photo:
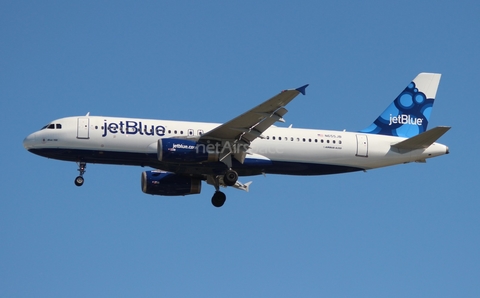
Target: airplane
183	154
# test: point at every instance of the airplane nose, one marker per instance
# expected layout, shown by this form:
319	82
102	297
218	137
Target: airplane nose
29	141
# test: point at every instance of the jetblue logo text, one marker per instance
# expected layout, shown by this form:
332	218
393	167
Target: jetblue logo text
133	128
181	146
405	119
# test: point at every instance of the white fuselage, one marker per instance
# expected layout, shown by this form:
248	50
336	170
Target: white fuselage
112	140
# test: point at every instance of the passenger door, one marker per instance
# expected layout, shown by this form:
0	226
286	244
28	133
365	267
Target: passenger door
83	125
362	146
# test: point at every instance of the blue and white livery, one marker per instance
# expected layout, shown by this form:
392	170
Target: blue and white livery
183	154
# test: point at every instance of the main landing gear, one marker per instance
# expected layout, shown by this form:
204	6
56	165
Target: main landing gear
229	179
218	199
81	168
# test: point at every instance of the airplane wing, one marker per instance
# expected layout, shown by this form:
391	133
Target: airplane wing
245	128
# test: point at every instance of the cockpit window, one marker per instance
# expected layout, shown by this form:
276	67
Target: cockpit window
52	126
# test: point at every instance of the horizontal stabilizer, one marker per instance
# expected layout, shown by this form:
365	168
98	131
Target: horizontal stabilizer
423	140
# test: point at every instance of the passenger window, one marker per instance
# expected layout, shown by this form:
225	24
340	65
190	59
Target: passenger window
273	138
280	138
340	142
304	139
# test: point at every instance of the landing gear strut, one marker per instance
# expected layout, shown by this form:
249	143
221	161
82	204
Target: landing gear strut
219	197
81	168
229	179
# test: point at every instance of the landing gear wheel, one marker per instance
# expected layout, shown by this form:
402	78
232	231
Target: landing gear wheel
79	181
218	199
230	178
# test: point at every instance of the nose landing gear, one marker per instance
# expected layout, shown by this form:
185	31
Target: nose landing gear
81	168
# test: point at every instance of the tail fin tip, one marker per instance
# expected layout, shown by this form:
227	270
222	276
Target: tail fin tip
408	115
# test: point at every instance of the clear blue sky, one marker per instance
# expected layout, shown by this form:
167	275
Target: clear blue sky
406	231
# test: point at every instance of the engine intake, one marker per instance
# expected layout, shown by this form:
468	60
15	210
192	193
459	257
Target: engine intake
184	151
169	184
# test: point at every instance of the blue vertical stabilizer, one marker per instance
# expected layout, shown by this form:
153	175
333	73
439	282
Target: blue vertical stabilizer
409	113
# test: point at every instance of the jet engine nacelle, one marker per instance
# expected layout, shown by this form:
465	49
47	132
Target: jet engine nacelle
184	151
169	184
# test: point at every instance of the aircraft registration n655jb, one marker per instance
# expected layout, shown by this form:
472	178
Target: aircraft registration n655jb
184	154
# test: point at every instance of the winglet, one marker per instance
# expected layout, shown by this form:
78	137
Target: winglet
302	89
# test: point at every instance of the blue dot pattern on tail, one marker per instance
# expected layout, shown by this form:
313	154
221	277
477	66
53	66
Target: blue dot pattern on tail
407	116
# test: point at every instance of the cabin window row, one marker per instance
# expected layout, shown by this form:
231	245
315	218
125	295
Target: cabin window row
310	140
190	132
175	132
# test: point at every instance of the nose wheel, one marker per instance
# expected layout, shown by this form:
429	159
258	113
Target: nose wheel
81	168
79	181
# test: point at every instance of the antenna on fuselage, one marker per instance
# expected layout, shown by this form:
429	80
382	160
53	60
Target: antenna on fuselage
88	114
